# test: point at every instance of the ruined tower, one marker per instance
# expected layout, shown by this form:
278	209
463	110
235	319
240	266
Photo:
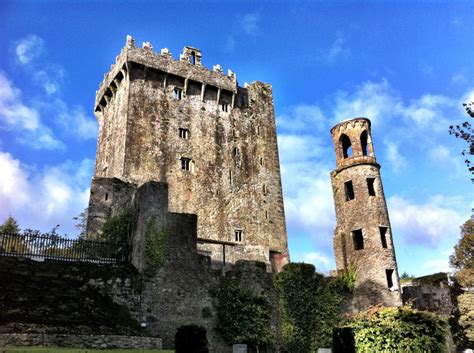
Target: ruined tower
212	141
363	236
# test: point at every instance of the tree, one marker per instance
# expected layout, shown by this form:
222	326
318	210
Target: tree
82	225
10	226
465	132
463	257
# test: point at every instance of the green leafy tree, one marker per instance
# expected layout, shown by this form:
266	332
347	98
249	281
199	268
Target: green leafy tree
10	226
463	257
82	223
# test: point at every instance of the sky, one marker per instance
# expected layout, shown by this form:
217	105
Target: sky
406	65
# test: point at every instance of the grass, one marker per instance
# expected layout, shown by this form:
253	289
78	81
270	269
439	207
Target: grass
77	350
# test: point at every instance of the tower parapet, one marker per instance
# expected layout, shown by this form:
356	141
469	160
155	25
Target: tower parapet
363	236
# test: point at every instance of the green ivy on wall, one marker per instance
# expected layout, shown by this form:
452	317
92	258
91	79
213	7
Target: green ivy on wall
309	305
242	316
155	249
118	231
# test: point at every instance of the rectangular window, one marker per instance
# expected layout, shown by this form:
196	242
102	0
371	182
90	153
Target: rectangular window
238	234
183	133
349	190
383	236
185	163
177	93
389	274
225	107
370	186
358	239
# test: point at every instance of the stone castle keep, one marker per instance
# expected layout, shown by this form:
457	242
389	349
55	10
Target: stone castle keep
212	141
362	236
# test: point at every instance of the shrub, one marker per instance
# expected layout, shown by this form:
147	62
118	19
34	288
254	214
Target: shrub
191	339
397	330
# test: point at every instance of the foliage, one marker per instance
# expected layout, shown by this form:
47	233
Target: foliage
405	275
347	277
465	132
118	230
155	249
242	316
82	222
78	350
309	306
398	330
463	257
10	226
191	339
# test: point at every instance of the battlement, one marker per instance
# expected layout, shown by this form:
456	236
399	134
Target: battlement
188	67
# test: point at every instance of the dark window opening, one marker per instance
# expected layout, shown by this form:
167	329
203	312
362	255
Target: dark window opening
238	234
185	163
230	177
193	58
183	133
177	93
349	190
261	161
346	146
266	214
106	196
264	189
383	236
225	107
389	274
363	142
358	239
370	186
258	130
235	151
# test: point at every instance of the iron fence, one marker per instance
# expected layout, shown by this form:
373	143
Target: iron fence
42	247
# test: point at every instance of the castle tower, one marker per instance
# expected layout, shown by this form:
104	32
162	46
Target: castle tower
363	236
212	141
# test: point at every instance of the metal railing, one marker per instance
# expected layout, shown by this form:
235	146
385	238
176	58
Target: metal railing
42	247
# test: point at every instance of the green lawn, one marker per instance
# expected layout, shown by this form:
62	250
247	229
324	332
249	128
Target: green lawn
77	350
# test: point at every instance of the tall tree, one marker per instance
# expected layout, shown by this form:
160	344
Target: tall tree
10	226
463	257
465	132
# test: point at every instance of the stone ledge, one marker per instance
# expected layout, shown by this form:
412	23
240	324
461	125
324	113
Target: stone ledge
78	341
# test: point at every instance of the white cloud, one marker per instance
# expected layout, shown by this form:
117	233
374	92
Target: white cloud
395	158
249	23
73	121
436	265
459	79
16	116
45	198
322	262
337	50
29	48
428	223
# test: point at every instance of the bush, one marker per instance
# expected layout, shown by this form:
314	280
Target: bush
396	330
309	304
191	339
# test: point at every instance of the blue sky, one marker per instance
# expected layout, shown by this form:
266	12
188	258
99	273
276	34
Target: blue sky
407	66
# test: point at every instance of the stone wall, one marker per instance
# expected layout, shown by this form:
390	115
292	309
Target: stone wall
78	341
233	182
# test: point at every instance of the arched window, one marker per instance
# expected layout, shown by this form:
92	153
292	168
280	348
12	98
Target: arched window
193	58
346	146
363	142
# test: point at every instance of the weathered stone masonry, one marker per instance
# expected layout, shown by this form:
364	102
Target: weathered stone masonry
363	235
211	140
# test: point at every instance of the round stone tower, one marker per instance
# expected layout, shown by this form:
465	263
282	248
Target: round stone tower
363	236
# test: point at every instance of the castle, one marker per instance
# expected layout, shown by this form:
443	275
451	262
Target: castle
213	142
363	237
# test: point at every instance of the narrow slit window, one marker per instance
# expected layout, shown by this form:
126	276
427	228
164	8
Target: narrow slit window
230	177
383	236
358	239
193	58
225	107
371	186
258	130
177	93
183	133
261	161
349	190
235	152
264	189
185	163
266	214
106	196
363	142
238	234
389	274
